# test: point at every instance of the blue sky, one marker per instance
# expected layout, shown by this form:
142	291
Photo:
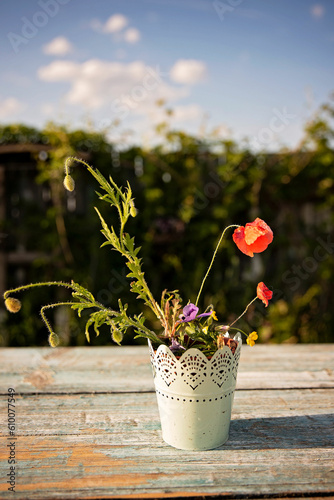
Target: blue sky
255	69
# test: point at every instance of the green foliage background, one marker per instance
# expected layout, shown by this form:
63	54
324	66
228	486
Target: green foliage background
186	192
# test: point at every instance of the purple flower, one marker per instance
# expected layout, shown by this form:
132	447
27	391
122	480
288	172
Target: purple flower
190	313
175	346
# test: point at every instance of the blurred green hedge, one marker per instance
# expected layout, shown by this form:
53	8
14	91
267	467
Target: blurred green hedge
187	190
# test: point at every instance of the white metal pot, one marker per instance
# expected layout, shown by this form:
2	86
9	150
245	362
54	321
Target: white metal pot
195	395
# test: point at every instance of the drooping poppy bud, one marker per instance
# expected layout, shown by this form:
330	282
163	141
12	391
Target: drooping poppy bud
69	183
116	335
53	339
13	305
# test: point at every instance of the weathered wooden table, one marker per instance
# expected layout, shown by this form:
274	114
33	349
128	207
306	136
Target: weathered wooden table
85	424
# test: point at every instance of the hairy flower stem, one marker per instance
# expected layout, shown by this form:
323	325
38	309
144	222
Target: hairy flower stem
34	285
49	306
212	260
243	313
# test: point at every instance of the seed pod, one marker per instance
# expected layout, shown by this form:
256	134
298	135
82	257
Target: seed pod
53	339
69	183
13	305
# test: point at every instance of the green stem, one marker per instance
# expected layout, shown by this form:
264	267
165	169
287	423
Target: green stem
123	219
33	285
239	330
212	260
49	306
243	313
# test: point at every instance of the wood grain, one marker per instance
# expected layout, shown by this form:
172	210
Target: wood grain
87	426
107	369
88	446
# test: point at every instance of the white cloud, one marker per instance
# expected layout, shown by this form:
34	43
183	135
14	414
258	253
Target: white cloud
317	10
59	46
59	71
9	107
120	88
115	23
188	71
132	35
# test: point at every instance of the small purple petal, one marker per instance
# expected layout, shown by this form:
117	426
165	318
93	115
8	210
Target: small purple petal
190	311
204	314
175	346
185	320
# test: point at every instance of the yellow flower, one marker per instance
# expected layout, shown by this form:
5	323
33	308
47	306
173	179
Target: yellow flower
205	329
69	183
251	338
214	315
13	305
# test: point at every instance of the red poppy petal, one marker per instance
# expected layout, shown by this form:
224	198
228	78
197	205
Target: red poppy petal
259	245
239	240
263	293
258	230
252	234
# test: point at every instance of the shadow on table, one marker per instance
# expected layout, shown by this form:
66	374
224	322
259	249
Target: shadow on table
310	431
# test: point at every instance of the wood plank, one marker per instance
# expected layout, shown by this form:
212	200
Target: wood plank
106	369
109	446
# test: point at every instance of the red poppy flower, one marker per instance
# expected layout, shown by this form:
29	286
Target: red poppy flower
253	238
263	293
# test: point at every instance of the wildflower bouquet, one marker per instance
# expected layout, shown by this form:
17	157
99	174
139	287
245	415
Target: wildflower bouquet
182	324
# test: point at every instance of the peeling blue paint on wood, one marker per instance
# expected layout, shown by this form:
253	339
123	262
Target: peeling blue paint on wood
87	426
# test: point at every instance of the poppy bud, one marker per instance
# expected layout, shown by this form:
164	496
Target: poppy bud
13	305
53	339
116	335
133	210
69	183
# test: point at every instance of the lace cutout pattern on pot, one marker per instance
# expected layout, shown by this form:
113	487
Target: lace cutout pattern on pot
166	365
193	369
236	363
152	356
222	365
